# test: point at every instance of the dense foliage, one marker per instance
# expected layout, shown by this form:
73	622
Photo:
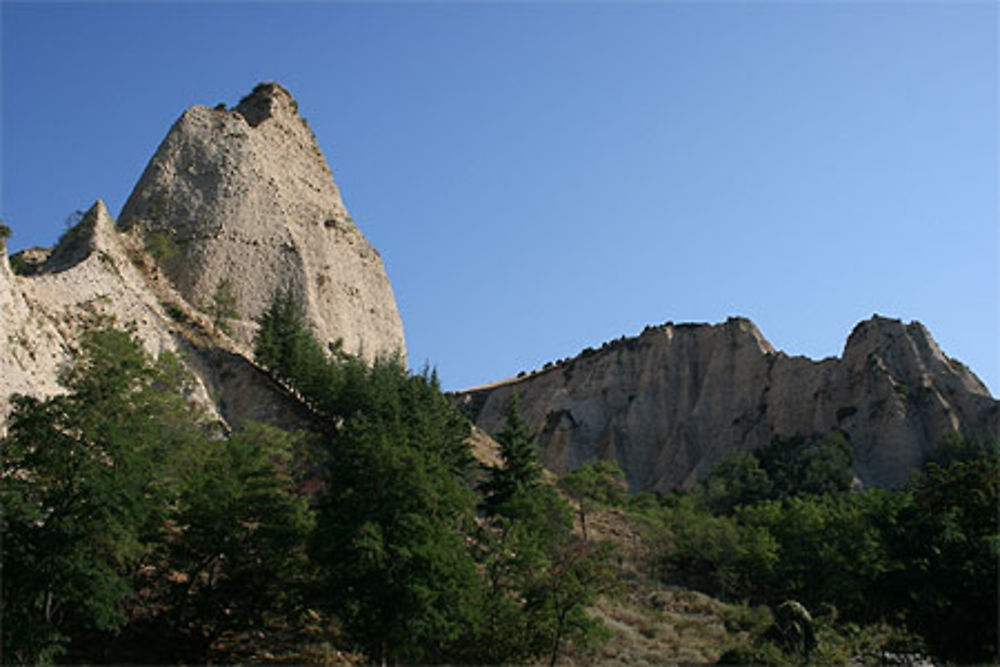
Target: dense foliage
780	524
130	525
406	562
136	530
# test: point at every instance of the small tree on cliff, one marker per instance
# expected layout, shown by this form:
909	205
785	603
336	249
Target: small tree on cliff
223	306
598	482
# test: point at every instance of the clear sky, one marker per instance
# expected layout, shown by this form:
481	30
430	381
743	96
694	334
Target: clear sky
544	177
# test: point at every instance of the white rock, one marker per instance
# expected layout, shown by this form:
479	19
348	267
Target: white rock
678	399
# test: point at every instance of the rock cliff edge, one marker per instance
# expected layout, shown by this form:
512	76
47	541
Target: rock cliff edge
671	403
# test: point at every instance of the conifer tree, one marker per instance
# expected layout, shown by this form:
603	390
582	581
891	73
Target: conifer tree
519	467
392	542
596	482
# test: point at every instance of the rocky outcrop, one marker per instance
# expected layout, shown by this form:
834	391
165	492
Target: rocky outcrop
240	195
244	195
95	275
88	276
671	403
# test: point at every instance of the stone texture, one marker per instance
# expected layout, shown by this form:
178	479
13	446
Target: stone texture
246	195
96	273
671	403
243	195
88	275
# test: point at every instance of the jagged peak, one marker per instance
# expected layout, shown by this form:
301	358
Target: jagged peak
745	326
879	329
91	234
246	192
267	100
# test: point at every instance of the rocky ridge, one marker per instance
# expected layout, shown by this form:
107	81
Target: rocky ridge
669	404
244	195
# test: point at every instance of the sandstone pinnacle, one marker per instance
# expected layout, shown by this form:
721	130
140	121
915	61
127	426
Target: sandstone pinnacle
245	195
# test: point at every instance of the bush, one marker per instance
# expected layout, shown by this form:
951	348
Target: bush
162	247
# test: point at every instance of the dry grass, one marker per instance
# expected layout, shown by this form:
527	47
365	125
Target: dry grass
650	623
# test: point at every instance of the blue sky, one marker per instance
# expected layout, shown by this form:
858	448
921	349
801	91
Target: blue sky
544	177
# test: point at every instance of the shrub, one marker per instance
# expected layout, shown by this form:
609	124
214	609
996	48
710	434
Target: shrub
161	246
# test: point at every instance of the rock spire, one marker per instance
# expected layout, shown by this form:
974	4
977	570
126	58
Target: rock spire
245	195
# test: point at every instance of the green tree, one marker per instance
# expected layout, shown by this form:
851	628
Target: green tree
539	580
80	495
283	343
832	550
331	381
556	601
600	482
234	543
786	467
798	466
716	554
951	547
519	460
739	480
394	526
223	306
955	447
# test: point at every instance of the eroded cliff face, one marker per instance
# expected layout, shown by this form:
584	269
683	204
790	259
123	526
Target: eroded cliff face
678	399
242	196
96	275
88	275
245	195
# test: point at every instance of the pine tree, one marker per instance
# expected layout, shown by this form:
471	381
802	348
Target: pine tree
539	579
223	306
519	467
392	538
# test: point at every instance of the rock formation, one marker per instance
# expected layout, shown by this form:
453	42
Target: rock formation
674	401
245	195
87	275
242	196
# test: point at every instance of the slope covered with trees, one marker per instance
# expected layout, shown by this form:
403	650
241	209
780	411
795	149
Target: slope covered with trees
136	530
911	571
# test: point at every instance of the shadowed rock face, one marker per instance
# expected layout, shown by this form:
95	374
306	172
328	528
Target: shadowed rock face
245	195
671	403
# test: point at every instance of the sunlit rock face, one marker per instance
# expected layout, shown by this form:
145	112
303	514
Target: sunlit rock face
678	399
245	195
242	196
